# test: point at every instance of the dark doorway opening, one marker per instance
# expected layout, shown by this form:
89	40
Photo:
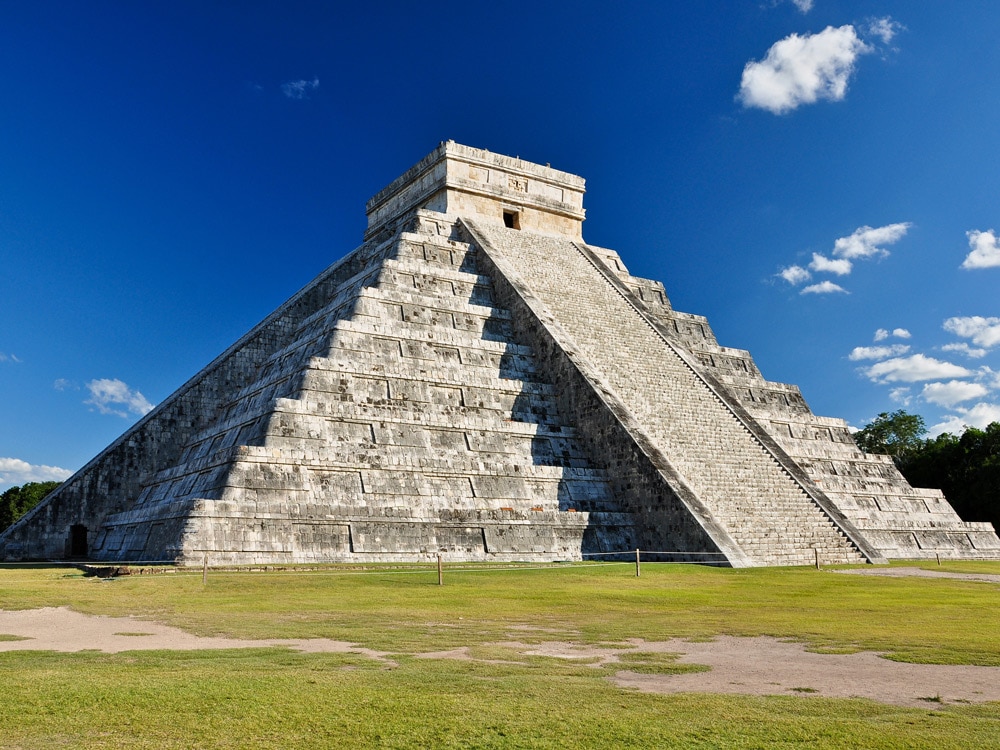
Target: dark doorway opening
511	220
78	540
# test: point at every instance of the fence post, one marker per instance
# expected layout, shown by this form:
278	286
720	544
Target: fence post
816	550
204	571
440	573
938	556
637	572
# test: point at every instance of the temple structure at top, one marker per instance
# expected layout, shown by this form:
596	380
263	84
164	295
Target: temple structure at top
476	381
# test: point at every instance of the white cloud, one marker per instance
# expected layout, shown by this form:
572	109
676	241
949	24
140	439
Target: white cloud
953	392
877	352
914	368
299	89
990	376
820	264
14	471
62	384
9	358
985	250
824	287
794	274
884	28
984	332
804	5
965	349
980	416
900	395
883	333
107	394
865	241
802	69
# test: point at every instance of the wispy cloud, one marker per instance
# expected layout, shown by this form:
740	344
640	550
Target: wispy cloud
801	70
952	392
901	395
9	358
940	385
991	377
983	332
962	348
15	471
822	264
883	333
824	287
883	28
299	89
985	250
877	352
913	369
112	396
62	384
980	416
795	275
865	242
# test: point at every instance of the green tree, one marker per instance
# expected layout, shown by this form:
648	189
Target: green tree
17	501
898	434
966	468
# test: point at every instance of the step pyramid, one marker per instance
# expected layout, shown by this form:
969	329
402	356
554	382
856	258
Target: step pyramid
475	381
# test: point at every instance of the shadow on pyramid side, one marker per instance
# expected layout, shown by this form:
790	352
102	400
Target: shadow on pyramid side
477	382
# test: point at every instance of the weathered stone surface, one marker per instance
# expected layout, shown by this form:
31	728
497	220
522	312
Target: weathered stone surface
475	381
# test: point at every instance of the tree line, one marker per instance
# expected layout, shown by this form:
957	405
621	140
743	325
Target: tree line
965	467
17	501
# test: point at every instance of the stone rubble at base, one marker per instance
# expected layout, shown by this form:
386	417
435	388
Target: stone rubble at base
475	381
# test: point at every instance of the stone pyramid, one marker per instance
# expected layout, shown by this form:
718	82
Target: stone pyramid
476	381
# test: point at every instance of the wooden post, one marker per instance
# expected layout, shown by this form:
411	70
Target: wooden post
440	573
938	556
637	571
204	571
816	550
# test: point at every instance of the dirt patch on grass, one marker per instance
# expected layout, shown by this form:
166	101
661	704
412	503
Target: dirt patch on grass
768	666
750	666
62	629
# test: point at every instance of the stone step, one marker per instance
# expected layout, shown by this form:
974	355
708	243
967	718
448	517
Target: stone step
435	251
444	281
506	361
450	372
280	471
460	339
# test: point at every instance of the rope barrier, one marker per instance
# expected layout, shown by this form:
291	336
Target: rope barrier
653	552
139	568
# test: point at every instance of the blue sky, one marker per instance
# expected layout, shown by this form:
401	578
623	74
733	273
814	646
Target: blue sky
818	178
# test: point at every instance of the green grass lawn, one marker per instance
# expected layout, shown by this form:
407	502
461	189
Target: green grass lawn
273	697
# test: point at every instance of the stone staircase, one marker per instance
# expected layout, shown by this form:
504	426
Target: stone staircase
762	507
899	521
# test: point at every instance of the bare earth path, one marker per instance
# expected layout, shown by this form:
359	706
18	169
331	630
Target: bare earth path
753	666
